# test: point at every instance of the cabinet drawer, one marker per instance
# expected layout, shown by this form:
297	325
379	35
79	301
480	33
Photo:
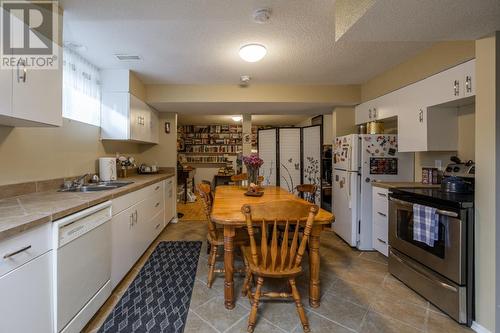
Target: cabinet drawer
152	206
130	199
20	249
380	234
380	199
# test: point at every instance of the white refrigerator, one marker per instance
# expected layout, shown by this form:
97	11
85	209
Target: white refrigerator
358	160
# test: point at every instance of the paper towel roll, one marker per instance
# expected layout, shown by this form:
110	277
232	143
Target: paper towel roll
107	168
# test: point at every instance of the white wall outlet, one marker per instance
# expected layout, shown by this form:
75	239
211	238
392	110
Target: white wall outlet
438	164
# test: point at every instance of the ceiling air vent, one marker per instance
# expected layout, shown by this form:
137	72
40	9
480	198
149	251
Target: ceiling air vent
127	57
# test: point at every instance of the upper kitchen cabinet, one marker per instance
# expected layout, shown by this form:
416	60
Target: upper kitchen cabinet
32	97
380	108
124	115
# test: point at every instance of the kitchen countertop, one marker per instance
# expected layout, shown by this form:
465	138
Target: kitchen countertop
20	213
389	185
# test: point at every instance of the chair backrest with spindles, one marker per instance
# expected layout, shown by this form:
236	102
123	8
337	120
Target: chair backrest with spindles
279	255
205	192
307	192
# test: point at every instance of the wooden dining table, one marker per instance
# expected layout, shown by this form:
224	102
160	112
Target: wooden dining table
226	211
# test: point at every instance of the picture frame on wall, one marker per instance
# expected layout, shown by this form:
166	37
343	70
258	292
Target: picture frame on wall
167	127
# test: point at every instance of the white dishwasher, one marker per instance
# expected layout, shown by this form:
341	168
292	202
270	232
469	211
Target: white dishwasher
82	266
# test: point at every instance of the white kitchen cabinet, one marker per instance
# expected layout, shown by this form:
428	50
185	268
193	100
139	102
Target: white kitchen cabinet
138	219
170	199
468	77
127	118
380	218
124	244
31	97
422	128
26	301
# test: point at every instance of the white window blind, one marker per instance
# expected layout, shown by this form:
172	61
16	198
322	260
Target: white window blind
81	89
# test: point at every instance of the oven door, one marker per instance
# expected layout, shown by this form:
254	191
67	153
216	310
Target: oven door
446	257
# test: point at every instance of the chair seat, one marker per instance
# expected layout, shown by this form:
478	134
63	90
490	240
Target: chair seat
241	238
268	272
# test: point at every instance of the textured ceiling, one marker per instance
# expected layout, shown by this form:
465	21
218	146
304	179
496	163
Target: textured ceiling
197	41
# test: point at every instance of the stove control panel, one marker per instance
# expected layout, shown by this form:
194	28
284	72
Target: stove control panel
466	170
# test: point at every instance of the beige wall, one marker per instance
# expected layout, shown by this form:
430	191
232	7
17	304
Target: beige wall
343	121
30	154
164	153
437	58
331	94
486	193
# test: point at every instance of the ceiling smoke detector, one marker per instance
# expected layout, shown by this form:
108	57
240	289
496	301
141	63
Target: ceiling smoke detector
262	15
245	80
127	57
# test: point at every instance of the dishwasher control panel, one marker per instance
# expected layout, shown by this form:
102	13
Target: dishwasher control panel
71	227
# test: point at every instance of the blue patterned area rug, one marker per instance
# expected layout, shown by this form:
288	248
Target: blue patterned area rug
158	298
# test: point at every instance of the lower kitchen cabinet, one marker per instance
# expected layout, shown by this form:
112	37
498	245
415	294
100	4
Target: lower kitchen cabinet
380	220
138	218
26	297
125	244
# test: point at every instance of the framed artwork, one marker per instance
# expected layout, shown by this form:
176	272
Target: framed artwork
167	127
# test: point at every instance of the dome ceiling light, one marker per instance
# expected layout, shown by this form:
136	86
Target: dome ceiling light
252	52
236	118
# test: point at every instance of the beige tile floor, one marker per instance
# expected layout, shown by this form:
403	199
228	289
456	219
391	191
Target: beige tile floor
358	295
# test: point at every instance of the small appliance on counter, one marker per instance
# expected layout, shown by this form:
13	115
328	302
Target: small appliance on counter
459	176
107	168
146	169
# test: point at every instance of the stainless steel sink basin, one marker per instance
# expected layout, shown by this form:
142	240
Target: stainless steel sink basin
102	186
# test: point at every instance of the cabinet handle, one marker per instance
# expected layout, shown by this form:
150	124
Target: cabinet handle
382	194
8	255
157	188
381	241
374	113
381	214
131	222
468	83
456	87
135	218
157	226
21	77
157	204
421	116
370	113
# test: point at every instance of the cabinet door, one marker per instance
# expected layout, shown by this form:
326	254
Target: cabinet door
115	110
6	92
363	113
123	244
26	302
412	129
37	94
139	120
468	76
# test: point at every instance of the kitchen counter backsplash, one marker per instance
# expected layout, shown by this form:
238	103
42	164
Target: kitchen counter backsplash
32	204
14	190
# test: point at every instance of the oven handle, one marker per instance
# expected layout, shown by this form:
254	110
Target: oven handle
423	273
439	211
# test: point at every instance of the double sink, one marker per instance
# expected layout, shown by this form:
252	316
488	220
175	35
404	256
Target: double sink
95	187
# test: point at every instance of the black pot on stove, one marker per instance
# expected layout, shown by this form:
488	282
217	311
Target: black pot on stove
455	185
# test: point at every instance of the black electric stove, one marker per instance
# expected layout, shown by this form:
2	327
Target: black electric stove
436	196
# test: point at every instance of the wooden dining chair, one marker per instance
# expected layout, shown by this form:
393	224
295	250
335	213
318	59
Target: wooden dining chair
276	258
215	236
307	192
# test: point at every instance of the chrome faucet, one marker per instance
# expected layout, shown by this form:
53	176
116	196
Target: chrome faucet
79	181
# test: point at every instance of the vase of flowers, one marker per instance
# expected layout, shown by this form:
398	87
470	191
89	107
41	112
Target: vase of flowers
253	162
